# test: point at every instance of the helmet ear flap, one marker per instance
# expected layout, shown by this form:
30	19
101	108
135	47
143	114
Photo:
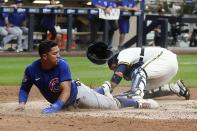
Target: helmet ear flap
98	53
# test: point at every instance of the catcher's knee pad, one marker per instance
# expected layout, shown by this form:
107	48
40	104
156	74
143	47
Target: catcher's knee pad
138	81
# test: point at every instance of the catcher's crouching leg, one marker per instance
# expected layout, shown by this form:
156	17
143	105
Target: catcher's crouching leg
178	88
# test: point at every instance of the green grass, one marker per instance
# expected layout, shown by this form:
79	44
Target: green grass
11	70
188	69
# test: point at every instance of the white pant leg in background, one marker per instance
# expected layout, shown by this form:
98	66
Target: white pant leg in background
161	70
18	32
88	98
3	31
7	37
25	35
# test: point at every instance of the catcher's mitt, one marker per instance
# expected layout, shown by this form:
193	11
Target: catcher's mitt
99	53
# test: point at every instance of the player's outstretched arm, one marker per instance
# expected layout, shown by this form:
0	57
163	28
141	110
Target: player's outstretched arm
23	94
65	94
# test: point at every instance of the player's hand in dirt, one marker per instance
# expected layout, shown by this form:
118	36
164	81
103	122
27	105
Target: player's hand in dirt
20	107
55	107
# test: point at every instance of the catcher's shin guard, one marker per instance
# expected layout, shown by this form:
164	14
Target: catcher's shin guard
138	83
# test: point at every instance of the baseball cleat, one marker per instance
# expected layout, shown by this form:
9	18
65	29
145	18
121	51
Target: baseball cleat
184	91
107	88
147	104
19	50
134	96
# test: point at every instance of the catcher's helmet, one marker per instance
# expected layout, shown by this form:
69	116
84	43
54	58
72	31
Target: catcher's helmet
99	53
113	60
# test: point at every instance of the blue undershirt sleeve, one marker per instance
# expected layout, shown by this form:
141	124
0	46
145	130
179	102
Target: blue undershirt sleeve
25	87
23	96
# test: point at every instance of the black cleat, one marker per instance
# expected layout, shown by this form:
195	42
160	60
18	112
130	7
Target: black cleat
184	91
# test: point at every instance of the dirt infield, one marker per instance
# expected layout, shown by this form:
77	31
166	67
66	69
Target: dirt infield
174	114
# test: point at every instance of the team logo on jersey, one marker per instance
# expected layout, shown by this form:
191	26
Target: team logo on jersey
54	85
24	79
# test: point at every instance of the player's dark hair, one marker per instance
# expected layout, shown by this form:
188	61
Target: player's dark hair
45	47
113	60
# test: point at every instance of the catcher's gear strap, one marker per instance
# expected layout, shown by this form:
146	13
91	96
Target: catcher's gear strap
141	55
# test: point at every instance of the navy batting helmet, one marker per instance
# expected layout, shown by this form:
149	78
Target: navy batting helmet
98	53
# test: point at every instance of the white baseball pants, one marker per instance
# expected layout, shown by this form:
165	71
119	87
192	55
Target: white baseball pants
88	98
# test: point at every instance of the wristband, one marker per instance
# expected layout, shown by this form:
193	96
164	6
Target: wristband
116	79
58	104
23	96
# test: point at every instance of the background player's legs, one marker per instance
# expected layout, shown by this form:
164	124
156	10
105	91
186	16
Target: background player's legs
18	32
7	37
25	33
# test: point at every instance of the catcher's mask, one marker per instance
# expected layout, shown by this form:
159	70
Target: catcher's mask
99	53
113	60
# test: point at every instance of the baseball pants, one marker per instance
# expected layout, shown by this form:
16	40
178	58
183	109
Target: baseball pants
88	98
161	69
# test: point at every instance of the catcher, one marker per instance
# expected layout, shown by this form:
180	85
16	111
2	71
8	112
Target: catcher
150	69
51	75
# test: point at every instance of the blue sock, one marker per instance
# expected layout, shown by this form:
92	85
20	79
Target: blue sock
125	102
99	90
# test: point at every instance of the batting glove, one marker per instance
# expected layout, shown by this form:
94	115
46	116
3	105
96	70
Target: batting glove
55	107
107	85
107	89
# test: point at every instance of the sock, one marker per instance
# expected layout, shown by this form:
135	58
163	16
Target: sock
100	90
125	102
